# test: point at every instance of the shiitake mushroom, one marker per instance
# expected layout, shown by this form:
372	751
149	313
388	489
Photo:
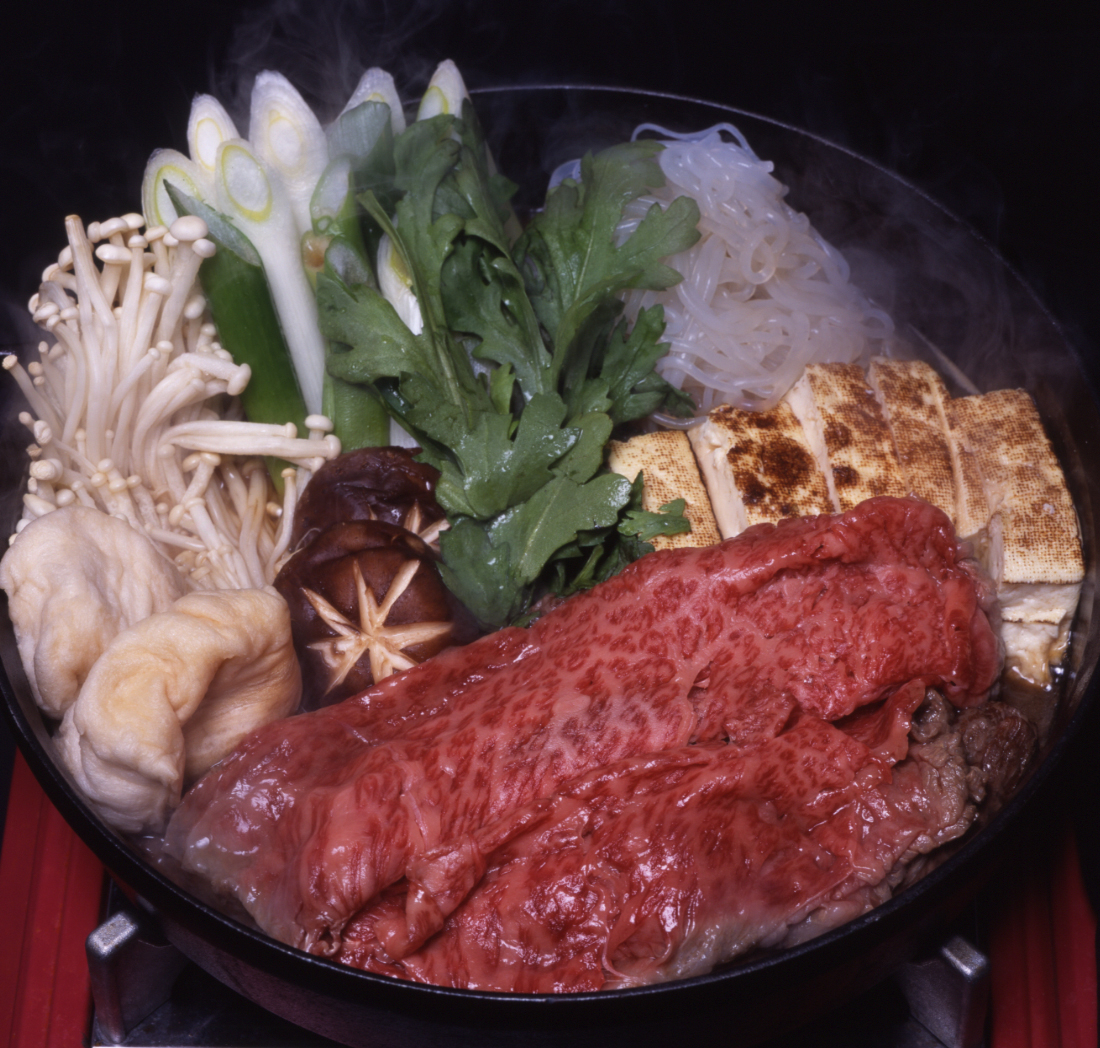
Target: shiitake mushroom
366	600
385	484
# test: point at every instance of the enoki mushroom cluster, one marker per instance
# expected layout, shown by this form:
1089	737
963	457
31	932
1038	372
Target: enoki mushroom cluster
133	407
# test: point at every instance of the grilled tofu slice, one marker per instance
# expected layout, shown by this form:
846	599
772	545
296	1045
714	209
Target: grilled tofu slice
972	511
759	467
1032	541
848	433
670	473
912	395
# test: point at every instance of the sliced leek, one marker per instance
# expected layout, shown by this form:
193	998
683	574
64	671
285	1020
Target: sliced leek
257	205
359	417
236	290
171	166
395	283
364	134
376	85
445	94
208	126
287	136
358	132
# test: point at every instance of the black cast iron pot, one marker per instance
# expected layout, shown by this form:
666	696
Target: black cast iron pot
945	287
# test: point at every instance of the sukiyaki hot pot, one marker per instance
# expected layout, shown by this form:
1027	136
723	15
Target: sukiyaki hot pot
872	216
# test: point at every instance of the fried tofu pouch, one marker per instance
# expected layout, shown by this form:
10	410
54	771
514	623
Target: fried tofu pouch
75	578
172	695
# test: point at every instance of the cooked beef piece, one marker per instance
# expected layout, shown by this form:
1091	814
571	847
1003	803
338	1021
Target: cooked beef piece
978	756
660	867
653	868
1000	743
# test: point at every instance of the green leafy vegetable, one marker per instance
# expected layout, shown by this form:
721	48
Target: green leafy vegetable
522	364
668	520
360	141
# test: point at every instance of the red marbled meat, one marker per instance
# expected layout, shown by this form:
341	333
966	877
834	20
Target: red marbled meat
659	867
311	818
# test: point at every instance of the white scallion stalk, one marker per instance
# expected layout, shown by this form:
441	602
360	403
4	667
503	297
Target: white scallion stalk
395	283
208	126
172	166
288	137
331	194
376	85
445	94
249	194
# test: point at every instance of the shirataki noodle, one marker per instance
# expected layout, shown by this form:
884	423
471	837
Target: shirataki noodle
763	293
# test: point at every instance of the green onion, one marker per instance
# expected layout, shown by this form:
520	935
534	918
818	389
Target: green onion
445	94
395	282
361	142
287	136
208	126
257	205
364	134
168	164
236	290
376	85
359	418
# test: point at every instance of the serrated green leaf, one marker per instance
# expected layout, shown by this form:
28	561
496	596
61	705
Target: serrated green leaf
555	514
483	296
501	471
628	370
586	456
379	344
492	592
514	548
645	525
517	378
571	245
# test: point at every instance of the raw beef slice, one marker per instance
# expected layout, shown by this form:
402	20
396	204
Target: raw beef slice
311	818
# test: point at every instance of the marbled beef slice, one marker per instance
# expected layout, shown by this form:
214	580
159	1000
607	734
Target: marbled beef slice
660	867
313	817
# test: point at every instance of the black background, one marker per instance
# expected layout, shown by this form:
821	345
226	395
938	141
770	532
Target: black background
993	115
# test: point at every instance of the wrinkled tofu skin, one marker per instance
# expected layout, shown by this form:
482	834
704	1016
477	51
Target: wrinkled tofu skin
173	695
75	578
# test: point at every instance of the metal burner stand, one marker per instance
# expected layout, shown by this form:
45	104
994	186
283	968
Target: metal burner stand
147	994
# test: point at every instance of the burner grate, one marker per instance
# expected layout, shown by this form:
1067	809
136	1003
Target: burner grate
146	994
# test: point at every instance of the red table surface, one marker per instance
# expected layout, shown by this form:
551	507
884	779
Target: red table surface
51	887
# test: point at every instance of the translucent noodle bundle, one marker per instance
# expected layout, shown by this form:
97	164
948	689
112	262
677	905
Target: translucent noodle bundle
763	293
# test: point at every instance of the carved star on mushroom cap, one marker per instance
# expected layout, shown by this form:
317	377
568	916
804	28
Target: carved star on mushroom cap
370	635
414	521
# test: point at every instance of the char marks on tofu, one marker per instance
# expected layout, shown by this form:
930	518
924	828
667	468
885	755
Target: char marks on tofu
845	427
713	659
912	396
1016	509
759	467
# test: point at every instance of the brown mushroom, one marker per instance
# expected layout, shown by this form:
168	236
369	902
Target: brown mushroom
366	600
385	484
